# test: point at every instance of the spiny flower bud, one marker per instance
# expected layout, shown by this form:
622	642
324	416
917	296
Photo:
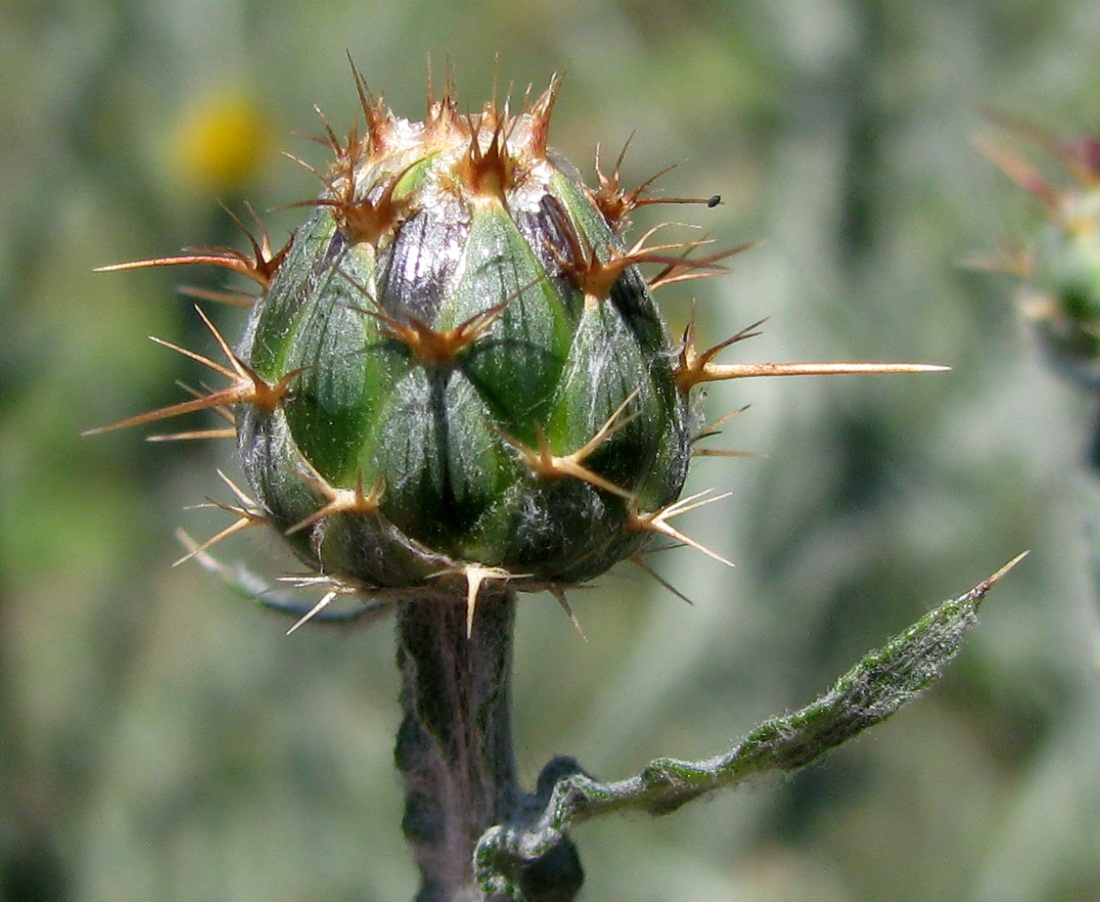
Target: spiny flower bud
455	370
1066	261
1061	268
481	376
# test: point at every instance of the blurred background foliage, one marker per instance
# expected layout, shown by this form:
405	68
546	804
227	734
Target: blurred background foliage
161	739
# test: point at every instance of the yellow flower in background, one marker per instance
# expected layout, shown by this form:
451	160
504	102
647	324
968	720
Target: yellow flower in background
221	143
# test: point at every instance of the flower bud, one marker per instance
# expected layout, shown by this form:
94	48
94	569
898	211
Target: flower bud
1061	267
455	371
478	375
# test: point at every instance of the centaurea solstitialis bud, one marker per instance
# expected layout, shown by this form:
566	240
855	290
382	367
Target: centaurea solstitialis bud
454	385
455	372
1060	267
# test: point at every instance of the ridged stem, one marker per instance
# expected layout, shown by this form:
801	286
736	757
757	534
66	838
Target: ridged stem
454	746
454	751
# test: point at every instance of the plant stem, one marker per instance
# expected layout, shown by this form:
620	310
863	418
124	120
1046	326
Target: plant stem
454	751
454	746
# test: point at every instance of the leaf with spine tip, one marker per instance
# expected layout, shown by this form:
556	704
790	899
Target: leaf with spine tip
881	683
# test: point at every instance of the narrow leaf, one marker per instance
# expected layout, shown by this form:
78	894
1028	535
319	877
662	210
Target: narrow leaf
870	692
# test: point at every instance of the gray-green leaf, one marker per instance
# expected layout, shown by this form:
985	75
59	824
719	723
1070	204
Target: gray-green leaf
869	693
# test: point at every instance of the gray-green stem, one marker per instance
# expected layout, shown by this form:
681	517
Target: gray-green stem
454	748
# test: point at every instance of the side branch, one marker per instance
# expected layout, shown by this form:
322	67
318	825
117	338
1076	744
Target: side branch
869	693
